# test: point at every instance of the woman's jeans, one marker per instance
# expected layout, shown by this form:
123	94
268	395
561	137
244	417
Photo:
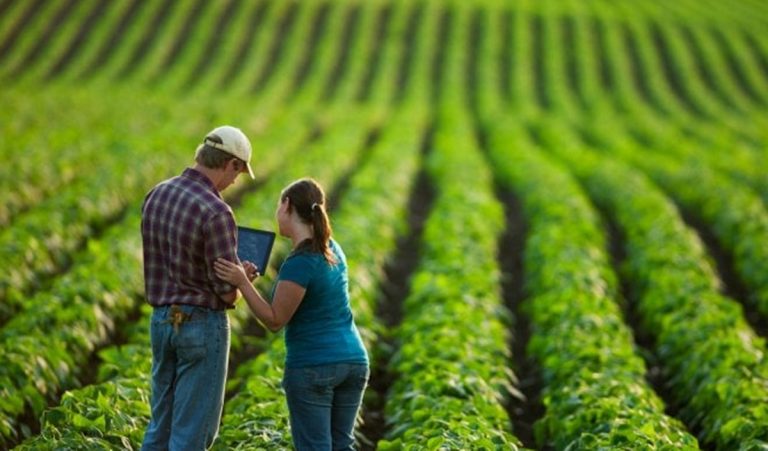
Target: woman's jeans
189	367
323	402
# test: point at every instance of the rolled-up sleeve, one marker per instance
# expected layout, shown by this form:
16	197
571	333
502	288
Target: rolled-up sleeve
220	234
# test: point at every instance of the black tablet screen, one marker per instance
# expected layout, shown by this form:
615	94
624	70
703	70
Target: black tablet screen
255	245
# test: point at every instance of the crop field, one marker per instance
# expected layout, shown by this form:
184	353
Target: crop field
555	212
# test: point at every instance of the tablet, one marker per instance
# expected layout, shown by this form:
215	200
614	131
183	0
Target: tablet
255	245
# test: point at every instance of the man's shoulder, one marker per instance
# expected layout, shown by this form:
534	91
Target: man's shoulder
193	190
165	185
185	194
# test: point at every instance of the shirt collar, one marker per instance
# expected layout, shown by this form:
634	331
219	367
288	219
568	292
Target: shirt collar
199	177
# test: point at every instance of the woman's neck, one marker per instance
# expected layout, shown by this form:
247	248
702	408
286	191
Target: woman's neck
301	233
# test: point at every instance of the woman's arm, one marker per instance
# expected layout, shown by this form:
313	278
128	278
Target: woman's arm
275	316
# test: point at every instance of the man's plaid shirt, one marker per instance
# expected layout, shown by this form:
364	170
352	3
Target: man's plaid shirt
185	226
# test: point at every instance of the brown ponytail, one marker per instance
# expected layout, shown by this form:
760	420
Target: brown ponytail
308	198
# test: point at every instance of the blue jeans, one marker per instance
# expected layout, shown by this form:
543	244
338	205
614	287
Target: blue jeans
189	367
323	402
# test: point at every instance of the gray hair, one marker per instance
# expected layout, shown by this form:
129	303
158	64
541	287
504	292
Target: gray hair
211	157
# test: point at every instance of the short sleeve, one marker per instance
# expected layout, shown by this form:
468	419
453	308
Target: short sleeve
220	242
298	268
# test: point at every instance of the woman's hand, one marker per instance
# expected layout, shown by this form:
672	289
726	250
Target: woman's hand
230	272
251	270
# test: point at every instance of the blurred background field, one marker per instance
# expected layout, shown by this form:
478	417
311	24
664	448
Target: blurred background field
554	211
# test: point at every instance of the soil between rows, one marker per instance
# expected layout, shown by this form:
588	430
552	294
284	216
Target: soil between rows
394	288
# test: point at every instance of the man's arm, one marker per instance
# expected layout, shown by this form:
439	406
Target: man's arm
221	242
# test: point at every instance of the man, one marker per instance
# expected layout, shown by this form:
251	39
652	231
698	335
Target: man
186	226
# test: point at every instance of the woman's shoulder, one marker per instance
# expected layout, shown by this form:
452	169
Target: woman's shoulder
305	255
299	266
337	251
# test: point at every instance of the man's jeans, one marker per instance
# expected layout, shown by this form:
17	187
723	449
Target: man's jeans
189	367
323	402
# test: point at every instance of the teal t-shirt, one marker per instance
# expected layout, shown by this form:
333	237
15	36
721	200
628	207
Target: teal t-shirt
322	331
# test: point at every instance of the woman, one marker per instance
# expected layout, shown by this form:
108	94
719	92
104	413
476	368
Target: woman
326	367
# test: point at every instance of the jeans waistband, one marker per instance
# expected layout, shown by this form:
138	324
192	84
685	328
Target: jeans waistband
187	312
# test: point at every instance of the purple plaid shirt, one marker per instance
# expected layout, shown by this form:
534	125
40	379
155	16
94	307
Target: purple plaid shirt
185	226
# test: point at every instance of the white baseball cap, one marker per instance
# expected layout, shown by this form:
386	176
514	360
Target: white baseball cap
233	142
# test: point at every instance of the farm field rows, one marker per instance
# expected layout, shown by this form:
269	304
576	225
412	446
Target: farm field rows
555	212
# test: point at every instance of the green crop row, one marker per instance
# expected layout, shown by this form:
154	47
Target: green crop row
662	68
717	192
66	324
131	39
419	40
184	49
713	363
350	69
674	66
41	241
373	216
384	54
646	51
275	81
693	146
27	41
647	68
595	392
53	27
108	414
33	171
216	66
255	47
88	45
724	56
309	78
736	215
451	368
165	36
490	26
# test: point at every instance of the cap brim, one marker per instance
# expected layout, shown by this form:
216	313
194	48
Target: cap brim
250	171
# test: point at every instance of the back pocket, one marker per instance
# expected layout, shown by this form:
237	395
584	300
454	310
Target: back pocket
190	341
